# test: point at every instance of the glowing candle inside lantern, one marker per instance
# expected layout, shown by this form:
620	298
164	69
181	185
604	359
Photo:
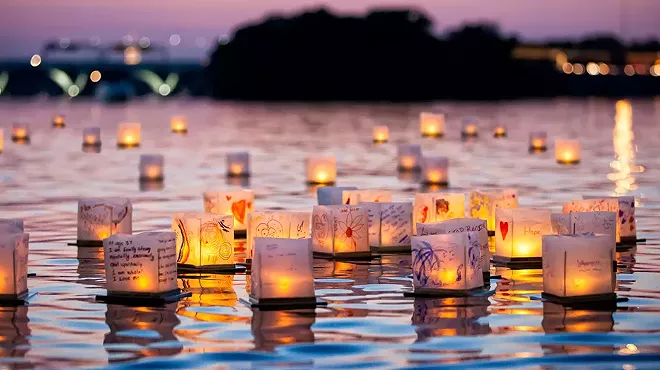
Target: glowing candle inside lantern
238	164
20	132
381	134
98	218
91	136
58	121
469	127
500	131
128	135
151	167
321	170
435	170
567	151
431	124
409	157
13	263
204	239
518	233
237	203
179	124
538	141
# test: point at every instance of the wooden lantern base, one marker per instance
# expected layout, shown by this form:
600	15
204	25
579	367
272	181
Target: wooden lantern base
601	300
180	131
127	146
20	140
538	149
499	136
143	299
568	163
87	243
276	304
446	293
349	256
397	249
433	136
215	269
21	299
517	263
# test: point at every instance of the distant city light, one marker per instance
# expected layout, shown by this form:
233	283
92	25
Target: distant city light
35	61
640	69
95	76
592	69
578	68
604	68
200	42
567	68
629	70
164	90
144	42
73	91
65	42
175	40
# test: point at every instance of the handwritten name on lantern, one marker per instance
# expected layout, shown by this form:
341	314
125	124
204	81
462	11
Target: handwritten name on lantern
519	232
337	230
435	170
151	167
98	218
236	203
128	135
446	263
600	223
91	136
380	134
238	164
578	265
331	195
355	197
321	169
626	215
482	204
596	205
432	124
276	224
14	248
204	239
141	263
179	124
20	131
409	157
390	223
567	151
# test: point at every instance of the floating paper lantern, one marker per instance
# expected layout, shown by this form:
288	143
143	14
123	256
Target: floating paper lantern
11	225
204	240
20	132
462	225
538	141
431	124
390	224
381	134
579	267
499	132
469	128
518	234
179	124
409	157
355	197
282	273
238	164
341	231
482	204
91	136
626	217
321	170
446	264
567	151
436	207
597	205
600	223
331	195
58	121
142	263
276	224
98	218
236	203
14	248
2	140
128	135
435	170
151	167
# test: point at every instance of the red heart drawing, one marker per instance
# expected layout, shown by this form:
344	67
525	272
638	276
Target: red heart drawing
348	200
504	229
228	197
238	210
425	213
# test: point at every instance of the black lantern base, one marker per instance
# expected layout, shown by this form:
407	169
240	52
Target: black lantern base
87	243
397	249
240	234
215	269
127	146
434	136
321	183
150	180
21	299
276	304
443	184
241	175
447	293
466	135
143	299
538	149
608	299
491	233
415	169
349	256
518	262
487	277
568	163
180	131
499	136
20	140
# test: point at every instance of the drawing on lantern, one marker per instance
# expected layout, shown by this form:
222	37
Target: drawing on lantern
270	229
347	229
321	228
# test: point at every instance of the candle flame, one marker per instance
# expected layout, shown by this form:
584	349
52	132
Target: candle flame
321	176
90	139
408	162
538	143
236	169
153	171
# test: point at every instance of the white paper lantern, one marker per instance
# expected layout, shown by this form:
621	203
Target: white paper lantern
331	195
538	141
355	197
409	157
14	247
179	124
518	234
435	170
599	223
151	167
282	272
390	224
11	225
236	203
91	136
58	121
567	151
462	225
128	135
238	164
597	205
276	224
431	124
578	266
98	218
626	218
204	239
20	132
446	264
141	263
482	204
436	207
499	132
341	231
381	134
321	170
469	127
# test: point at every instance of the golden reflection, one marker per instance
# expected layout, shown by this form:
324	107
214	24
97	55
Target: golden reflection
132	330
561	319
275	328
409	176
624	150
435	317
516	285
14	333
151	185
238	181
208	290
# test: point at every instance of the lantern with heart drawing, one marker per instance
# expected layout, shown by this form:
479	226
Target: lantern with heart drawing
518	234
237	203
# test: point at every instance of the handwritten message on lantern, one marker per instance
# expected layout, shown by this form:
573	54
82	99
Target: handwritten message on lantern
626	217
98	218
390	223
596	205
204	238
519	231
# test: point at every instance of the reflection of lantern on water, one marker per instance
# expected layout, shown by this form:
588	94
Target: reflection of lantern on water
128	135
381	134
432	125
14	333
91	136
204	239
538	142
626	261
20	132
58	121
395	265
435	170
179	124
238	164
208	290
499	132
518	233
98	218
409	157
91	265
516	285
139	332
469	128
441	317
321	170
14	249
567	151
271	329
561	319
151	167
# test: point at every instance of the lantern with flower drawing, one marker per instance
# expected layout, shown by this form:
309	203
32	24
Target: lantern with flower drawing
236	203
341	231
14	246
276	224
409	157
128	135
538	141
151	167
331	195
482	204
58	121
518	234
355	197
179	124
381	134
20	132
579	267
321	170
567	151
91	136
469	127
446	264
432	124
204	240
436	207
98	218
238	164
435	170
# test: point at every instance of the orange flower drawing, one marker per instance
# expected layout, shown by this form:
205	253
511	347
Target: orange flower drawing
348	229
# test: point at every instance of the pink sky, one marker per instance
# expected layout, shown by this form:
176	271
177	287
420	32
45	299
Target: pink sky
25	24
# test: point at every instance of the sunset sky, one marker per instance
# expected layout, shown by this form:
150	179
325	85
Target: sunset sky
25	24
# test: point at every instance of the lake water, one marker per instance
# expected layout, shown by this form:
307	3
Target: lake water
368	323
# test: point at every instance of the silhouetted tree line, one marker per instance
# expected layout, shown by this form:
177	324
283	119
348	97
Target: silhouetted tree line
389	55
